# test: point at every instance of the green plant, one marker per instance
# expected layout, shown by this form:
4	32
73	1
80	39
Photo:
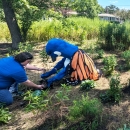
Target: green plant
5	115
124	128
126	56
87	84
63	94
22	47
44	56
114	93
90	109
100	53
36	101
110	63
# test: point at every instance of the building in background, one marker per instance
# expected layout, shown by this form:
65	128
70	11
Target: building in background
110	17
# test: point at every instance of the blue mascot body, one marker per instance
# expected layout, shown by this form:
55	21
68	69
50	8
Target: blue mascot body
75	64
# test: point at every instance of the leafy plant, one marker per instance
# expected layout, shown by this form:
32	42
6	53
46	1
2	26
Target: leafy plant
110	63
100	53
126	56
114	93
36	101
86	107
64	93
44	56
5	115
22	47
90	109
87	84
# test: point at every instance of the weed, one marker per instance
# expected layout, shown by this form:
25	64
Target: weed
36	102
22	47
126	56
114	93
87	84
44	56
5	115
100	53
90	109
110	63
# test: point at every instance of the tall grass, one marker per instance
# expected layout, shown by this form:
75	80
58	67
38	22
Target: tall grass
115	36
79	29
4	33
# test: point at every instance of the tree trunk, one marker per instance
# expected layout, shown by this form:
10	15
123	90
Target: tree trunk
12	23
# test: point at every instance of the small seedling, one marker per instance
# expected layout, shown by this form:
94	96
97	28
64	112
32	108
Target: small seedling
87	85
5	115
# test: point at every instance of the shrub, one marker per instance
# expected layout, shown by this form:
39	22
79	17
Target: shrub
110	63
114	93
90	109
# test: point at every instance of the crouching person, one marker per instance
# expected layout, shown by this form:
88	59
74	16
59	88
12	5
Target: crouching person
12	71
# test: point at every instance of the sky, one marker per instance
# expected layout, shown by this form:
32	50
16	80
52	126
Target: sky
121	4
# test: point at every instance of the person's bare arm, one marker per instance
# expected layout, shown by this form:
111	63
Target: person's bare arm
32	67
33	85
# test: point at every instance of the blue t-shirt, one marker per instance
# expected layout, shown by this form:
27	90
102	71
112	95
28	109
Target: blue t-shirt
11	71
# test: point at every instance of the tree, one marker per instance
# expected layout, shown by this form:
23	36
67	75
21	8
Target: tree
112	9
12	23
25	13
89	8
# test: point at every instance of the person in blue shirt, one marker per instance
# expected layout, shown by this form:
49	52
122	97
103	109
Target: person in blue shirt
12	70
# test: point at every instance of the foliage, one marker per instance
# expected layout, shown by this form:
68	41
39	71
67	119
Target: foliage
110	63
87	84
4	33
124	128
77	29
23	47
5	115
36	102
90	109
2	15
63	94
26	14
100	53
126	56
44	56
115	36
114	93
87	8
112	9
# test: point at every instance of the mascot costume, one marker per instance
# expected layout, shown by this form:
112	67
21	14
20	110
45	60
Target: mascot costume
75	65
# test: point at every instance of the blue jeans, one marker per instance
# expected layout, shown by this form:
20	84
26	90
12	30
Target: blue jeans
5	97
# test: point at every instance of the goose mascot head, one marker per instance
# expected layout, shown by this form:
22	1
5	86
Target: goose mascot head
58	47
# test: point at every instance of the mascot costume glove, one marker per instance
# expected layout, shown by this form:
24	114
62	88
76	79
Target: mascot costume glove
59	75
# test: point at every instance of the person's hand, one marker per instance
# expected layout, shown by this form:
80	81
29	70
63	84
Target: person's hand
42	69
40	87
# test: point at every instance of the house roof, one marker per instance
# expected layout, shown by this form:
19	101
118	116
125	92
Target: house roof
107	15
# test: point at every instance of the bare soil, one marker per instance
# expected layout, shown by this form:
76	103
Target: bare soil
114	115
